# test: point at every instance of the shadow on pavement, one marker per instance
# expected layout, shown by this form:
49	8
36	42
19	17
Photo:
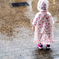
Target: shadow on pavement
43	54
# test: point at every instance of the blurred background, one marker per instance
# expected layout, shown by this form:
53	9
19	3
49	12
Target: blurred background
12	18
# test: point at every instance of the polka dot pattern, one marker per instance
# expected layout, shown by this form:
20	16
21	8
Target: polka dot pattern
43	28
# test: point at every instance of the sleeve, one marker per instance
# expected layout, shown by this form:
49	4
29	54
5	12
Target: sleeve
35	19
51	19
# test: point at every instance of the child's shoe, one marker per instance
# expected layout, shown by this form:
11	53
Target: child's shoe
48	46
40	46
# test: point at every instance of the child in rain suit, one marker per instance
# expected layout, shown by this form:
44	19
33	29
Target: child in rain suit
43	25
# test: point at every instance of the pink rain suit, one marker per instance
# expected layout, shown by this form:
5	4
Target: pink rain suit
43	23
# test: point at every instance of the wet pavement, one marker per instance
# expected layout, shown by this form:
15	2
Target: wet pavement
16	36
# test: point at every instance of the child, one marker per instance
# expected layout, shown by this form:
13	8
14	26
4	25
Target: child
43	25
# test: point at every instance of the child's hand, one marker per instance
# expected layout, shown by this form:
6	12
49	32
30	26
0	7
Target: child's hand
33	28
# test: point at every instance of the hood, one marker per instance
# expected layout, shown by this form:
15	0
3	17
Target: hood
42	5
